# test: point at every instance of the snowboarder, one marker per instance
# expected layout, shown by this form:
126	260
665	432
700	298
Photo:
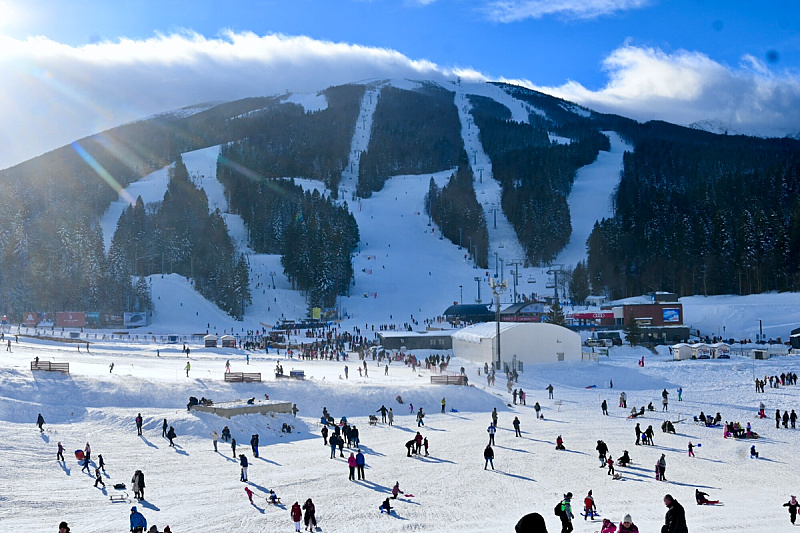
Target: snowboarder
309	518
515	423
139	424
243	464
138	522
793	505
60	453
675	519
40	422
297	515
488	455
589	508
550	391
214	438
171	435
491	431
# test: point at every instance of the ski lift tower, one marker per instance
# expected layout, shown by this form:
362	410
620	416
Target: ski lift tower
554	271
498	287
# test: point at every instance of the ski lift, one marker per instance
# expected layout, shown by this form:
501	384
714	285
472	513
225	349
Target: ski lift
531	279
501	245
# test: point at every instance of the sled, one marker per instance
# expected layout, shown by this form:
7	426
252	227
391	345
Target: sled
713	503
453	410
616	477
120	486
79	455
373	420
118	498
276	501
596	514
408	495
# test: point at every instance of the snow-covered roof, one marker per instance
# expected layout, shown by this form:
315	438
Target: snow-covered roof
406	334
484	330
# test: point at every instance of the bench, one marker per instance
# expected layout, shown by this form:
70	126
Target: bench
50	367
243	377
449	380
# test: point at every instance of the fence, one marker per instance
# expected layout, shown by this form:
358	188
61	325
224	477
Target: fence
243	377
50	367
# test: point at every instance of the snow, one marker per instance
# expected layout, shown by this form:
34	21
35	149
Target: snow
558	139
310	102
360	142
591	198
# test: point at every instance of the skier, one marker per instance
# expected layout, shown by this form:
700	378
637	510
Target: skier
589	507
139	424
550	391
309	517
604	407
515	423
793	505
188	366
383	412
565	513
488	455
171	435
491	431
243	464
360	462
40	422
297	515
60	454
214	438
138	522
675	519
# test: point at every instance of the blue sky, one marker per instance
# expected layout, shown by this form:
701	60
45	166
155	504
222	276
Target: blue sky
84	65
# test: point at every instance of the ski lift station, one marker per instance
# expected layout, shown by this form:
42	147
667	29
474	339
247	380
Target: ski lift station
530	342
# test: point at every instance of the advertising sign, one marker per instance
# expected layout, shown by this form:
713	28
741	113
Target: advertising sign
671	315
29	319
93	319
136	319
70	320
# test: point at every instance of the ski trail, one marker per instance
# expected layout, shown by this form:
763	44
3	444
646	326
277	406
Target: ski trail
360	142
503	242
591	198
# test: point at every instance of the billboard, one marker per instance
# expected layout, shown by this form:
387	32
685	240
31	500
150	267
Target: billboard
671	315
30	319
136	319
70	320
93	319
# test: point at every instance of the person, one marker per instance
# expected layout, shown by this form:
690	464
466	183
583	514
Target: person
537	408
63	527
40	422
390	416
60	453
494	416
410	446
560	443
164	427
531	523
227	370
623	400
101	464
627	525
139	424
226	434
662	467
138	484
425	445
138	522
691	449
351	462
233	447
702	498
297	515
383	412
792	504
566	515
188	365
243	464
602	449
675	519
491	431
420	416
396	490
589	508
309	518
98	478
604	407
444	404
608	526
625	460
488	455
516	423
249	494
214	438
111	367
753	452
680	394
171	435
295	410
273	498
550	391
254	445
346	372
386	507
324	435
610	462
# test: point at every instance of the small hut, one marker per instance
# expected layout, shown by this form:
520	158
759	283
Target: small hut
228	341
210	341
720	350
701	351
681	351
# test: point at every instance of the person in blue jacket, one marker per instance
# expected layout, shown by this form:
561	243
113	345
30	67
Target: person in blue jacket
360	465
138	522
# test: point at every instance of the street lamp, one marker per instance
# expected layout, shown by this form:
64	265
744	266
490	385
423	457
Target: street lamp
497	289
459	237
461	294
494	210
272	275
495	264
478	279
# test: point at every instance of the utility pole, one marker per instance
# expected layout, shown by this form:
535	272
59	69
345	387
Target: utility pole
497	289
478	279
516	263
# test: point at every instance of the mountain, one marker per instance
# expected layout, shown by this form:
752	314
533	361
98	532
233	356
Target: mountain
510	157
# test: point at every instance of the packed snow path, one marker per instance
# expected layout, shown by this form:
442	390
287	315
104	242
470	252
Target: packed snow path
349	182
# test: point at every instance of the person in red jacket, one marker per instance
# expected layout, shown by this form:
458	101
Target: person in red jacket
297	516
351	462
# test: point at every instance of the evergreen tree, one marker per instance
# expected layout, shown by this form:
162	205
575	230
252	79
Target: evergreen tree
556	315
579	283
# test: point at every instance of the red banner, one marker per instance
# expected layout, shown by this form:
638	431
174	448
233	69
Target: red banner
70	320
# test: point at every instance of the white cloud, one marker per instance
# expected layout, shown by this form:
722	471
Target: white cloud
516	10
685	87
52	94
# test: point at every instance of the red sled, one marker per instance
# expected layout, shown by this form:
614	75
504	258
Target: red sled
79	455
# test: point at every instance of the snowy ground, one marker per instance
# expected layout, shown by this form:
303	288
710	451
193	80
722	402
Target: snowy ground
452	492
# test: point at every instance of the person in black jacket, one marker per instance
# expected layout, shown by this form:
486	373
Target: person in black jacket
675	519
488	455
171	435
792	504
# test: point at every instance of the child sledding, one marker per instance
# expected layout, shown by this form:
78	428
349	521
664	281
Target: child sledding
702	498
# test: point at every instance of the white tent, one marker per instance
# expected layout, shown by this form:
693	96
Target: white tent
531	342
681	351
